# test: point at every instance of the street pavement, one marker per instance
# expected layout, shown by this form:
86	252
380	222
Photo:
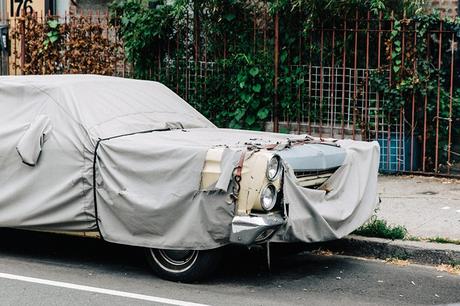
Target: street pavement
428	207
47	269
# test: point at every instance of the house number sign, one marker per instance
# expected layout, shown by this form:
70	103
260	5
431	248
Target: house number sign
16	7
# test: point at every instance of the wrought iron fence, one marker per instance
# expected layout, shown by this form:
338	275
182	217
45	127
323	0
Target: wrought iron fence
355	78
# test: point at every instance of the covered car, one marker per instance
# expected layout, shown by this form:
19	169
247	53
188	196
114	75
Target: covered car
130	162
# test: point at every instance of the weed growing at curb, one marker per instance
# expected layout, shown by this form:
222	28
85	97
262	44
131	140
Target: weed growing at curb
453	268
397	261
381	229
443	240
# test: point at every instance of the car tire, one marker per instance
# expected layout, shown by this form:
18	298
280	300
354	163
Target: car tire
183	266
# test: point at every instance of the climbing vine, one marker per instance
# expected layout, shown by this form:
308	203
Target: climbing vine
220	57
82	44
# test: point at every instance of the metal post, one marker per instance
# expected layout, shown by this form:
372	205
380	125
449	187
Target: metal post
377	106
321	83
275	85
401	110
438	98
332	88
344	61
425	107
390	70
449	140
299	89
22	34
364	129
309	82
412	127
355	85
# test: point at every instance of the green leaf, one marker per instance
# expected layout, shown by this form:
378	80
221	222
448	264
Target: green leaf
256	88
263	113
283	56
53	24
246	98
230	17
397	43
254	71
241	78
396	69
54	38
255	104
250	120
239	113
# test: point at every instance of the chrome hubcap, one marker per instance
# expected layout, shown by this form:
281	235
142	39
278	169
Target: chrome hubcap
175	261
178	258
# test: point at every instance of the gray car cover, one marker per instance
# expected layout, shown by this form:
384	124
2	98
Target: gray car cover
83	153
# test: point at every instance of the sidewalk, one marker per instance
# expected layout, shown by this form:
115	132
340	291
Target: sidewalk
428	207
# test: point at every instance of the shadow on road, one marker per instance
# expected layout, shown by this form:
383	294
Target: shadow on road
239	264
292	276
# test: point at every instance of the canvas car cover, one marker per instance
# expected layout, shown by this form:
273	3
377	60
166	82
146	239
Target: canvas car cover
84	153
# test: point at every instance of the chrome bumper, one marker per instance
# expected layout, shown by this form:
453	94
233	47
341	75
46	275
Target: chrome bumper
253	229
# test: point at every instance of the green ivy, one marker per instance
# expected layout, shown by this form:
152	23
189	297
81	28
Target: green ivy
144	31
53	33
239	85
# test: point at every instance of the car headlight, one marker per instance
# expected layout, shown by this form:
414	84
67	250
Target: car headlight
273	168
268	197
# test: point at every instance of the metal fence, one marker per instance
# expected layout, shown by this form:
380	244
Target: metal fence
341	64
339	97
421	134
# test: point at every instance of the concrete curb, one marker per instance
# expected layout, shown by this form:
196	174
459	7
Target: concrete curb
415	251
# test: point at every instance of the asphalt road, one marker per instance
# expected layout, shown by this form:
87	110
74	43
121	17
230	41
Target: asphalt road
44	269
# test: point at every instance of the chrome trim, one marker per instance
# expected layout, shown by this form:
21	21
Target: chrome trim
189	262
246	229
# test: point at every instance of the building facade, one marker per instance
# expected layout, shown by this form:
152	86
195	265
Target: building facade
13	8
450	7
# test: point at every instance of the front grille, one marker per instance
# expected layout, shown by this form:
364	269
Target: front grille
313	179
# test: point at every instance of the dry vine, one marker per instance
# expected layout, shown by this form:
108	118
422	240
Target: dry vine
80	44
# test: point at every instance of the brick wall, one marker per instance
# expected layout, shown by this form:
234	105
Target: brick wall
450	7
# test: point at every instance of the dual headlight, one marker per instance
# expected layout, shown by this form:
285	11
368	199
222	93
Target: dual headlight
274	168
268	197
269	194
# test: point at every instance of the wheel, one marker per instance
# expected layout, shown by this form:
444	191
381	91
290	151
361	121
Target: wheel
183	266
